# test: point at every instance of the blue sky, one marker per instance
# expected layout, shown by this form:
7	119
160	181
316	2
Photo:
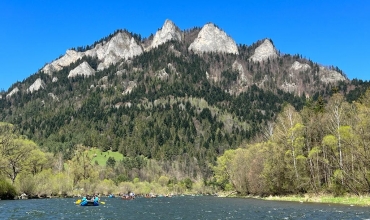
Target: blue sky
329	32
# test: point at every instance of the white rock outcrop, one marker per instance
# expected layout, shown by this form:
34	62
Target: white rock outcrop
70	57
129	86
264	51
330	76
120	46
168	32
239	67
289	87
161	74
212	39
37	85
14	91
54	97
172	68
84	69
297	66
103	80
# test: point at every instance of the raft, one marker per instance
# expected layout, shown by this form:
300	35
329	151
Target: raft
89	203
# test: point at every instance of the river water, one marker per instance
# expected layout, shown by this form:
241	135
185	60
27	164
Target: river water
186	207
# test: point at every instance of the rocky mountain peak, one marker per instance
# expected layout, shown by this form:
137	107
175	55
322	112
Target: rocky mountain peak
264	51
168	32
212	39
121	46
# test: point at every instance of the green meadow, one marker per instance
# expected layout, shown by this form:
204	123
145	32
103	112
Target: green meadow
101	157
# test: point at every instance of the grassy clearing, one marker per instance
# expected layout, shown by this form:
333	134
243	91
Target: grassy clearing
345	200
102	157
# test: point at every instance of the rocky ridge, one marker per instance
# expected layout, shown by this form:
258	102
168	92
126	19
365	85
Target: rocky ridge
70	57
121	46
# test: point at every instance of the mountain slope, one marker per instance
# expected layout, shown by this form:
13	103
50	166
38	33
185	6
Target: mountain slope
181	95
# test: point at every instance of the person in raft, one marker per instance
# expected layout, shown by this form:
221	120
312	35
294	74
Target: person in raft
96	198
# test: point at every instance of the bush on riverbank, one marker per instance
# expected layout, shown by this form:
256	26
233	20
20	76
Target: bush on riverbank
7	191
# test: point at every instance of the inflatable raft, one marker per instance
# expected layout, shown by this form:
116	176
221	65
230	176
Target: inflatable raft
89	203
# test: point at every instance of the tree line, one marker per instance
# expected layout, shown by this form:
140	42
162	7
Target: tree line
325	147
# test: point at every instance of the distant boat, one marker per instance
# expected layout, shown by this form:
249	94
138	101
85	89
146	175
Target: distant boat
111	196
127	197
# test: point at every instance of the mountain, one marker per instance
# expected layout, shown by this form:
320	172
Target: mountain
175	96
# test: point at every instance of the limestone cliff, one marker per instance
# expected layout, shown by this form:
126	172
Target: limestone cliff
84	69
14	91
264	51
168	32
120	46
239	67
37	85
330	76
297	66
70	57
212	39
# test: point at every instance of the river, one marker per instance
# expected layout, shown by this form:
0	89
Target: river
186	207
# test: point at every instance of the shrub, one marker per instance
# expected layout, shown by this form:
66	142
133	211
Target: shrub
7	191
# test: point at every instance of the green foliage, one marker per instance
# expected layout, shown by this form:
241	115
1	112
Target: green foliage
111	162
7	191
188	183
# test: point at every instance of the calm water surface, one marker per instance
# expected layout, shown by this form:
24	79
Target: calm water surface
187	207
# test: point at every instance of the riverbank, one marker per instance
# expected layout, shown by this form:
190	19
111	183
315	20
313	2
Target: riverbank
355	200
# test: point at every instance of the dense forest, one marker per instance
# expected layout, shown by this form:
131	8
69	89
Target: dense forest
179	118
322	148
